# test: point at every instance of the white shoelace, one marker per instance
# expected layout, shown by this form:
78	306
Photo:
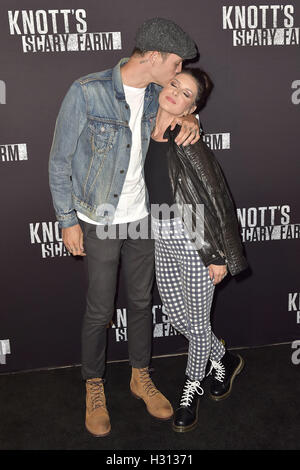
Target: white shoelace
189	390
220	370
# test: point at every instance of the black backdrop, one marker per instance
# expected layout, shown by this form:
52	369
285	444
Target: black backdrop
251	52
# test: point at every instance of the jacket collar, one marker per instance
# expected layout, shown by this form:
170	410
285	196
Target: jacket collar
117	79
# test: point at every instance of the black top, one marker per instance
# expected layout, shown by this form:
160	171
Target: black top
156	174
158	183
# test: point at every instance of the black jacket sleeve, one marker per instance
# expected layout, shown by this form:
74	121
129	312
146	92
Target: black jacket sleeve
212	178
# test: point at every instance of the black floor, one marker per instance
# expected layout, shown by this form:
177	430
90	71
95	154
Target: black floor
43	410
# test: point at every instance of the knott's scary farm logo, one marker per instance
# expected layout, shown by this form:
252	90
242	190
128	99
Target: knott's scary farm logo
4	350
2	92
259	224
48	236
294	304
219	141
13	152
162	326
261	25
59	31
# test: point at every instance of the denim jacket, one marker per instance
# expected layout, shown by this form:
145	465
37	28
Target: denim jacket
90	152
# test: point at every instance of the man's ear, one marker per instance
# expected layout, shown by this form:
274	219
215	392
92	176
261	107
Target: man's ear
153	56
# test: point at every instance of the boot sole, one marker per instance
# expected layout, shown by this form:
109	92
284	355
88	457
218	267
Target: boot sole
236	372
187	428
97	435
156	417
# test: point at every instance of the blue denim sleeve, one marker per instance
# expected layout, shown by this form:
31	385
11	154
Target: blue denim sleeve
69	125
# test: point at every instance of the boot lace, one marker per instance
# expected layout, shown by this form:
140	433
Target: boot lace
189	389
219	370
96	393
148	385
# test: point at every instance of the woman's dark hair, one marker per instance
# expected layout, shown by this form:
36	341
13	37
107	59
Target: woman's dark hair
204	85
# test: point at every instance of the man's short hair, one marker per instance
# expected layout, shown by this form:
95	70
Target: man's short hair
139	52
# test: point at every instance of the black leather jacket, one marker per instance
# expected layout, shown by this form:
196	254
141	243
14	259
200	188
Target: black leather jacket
197	178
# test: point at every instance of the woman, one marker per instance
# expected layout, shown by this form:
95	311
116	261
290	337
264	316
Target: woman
193	247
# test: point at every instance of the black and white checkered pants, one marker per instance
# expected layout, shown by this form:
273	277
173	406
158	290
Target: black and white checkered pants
186	291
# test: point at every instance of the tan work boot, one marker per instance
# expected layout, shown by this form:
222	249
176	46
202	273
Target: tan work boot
97	418
142	387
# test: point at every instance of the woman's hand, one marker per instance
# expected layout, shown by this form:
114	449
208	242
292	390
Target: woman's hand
217	273
190	131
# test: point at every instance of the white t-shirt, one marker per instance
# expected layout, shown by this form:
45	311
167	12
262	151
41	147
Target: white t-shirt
132	201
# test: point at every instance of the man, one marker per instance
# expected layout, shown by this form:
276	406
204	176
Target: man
96	177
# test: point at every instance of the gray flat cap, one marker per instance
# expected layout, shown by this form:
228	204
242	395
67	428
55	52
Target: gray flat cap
159	34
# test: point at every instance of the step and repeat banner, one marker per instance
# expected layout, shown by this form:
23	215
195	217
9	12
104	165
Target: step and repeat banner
250	50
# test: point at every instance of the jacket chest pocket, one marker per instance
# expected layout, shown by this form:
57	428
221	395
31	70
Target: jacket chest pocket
103	136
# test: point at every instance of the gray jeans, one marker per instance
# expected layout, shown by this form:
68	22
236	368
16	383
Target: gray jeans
102	260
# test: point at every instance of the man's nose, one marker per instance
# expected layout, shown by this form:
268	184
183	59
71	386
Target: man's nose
179	68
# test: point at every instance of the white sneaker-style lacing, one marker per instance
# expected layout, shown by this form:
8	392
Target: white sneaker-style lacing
189	389
220	370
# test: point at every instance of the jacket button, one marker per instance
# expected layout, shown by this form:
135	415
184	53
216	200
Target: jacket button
128	145
126	106
115	195
121	171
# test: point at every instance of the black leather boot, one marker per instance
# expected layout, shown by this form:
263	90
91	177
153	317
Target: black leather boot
223	375
186	416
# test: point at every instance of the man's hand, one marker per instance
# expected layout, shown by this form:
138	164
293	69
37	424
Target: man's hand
73	240
190	131
217	273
